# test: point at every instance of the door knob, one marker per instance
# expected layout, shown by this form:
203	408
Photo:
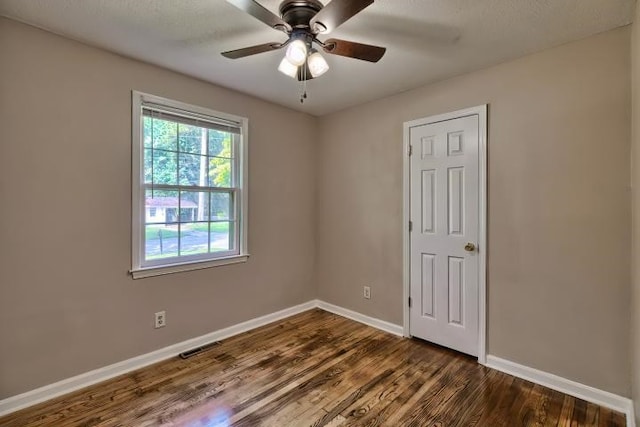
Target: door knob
469	247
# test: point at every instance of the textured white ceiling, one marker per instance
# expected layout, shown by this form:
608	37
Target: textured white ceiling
426	40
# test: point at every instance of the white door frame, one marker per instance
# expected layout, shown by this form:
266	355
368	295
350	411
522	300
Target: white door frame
481	112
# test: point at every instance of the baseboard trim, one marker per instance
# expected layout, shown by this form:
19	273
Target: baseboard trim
572	388
41	394
392	328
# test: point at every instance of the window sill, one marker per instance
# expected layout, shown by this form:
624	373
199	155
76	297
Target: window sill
141	273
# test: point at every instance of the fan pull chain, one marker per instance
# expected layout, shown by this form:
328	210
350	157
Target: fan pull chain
303	87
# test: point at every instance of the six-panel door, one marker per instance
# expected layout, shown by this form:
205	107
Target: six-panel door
444	191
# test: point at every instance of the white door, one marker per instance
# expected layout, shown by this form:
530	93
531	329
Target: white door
444	215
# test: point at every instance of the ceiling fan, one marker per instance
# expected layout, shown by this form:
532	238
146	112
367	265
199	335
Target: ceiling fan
303	21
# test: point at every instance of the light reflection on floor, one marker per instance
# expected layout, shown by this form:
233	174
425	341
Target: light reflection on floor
219	417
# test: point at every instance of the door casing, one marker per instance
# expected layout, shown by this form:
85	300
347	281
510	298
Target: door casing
481	112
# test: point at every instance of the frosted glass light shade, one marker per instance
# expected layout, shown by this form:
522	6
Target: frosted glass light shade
288	68
317	64
296	52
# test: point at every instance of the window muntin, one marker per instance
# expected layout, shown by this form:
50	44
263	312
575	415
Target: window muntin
191	194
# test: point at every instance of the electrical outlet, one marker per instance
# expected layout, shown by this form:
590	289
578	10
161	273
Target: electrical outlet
161	319
367	292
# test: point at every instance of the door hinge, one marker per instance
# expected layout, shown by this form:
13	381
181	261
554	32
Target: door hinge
410	150
409	302
410	226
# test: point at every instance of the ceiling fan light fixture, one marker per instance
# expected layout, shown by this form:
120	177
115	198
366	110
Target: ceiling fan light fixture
296	52
288	68
302	21
317	64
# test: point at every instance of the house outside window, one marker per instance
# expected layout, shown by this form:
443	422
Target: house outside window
189	187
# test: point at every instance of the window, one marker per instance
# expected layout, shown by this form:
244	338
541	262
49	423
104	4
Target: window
189	187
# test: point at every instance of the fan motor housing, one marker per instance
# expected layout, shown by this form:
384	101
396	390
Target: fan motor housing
298	13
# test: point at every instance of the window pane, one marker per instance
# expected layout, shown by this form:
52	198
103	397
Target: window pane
220	143
220	174
194	238
222	206
165	204
194	206
146	131
165	167
161	241
221	236
193	170
148	170
191	139
164	134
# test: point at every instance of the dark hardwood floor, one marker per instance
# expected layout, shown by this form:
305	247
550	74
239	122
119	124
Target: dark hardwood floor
317	369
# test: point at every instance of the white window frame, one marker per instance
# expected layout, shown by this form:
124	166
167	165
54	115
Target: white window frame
139	269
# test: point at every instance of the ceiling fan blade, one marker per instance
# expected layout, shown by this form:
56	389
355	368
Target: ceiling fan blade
261	13
251	50
336	13
365	52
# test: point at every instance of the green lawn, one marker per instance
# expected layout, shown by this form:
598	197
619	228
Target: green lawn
182	253
169	231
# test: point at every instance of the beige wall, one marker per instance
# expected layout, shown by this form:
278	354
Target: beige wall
559	214
559	209
635	184
67	304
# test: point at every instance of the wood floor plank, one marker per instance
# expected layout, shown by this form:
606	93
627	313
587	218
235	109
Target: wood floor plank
342	370
254	384
316	369
410	388
458	407
327	369
565	414
270	374
554	407
426	410
381	395
426	397
405	376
